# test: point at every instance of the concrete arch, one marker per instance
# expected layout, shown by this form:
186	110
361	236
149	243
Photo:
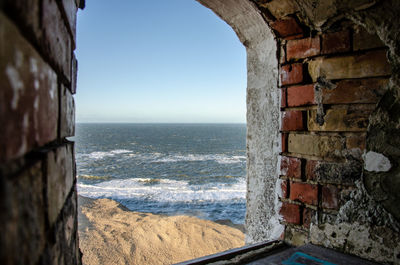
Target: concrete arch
263	116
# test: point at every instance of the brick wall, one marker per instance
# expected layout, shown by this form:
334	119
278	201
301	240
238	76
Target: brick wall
330	84
37	169
331	81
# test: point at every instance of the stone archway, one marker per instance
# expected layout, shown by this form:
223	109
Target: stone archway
263	116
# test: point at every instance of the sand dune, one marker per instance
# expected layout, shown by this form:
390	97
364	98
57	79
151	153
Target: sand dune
111	234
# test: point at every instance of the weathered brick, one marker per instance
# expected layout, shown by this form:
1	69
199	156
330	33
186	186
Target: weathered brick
370	64
355	91
283	98
308	216
336	42
284	188
22	218
286	27
357	141
304	192
28	97
290	213
363	40
310	169
330	197
74	73
291	167
292	74
284	142
281	8
65	249
300	95
56	39
292	120
316	145
302	48
346	118
26	13
333	172
60	178
67	117
70	9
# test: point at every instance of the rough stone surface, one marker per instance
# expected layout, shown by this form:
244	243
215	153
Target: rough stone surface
67	118
28	97
370	64
346	173
296	237
23	235
60	178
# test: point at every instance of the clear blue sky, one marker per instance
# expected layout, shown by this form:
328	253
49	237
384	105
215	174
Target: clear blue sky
158	61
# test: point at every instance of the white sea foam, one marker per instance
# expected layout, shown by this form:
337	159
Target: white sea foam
164	190
100	155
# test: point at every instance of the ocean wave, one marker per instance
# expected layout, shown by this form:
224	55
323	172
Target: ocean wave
93	177
163	158
219	158
164	190
99	154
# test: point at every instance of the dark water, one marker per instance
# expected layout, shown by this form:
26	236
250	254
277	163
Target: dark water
191	169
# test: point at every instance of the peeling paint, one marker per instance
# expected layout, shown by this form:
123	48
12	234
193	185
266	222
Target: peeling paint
376	162
17	84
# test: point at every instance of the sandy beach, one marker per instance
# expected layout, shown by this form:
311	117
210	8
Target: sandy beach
112	234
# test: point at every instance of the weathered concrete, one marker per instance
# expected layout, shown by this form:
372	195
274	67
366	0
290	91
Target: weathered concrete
263	116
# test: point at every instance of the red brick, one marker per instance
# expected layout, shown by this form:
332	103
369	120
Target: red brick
283	98
310	169
292	74
292	120
284	188
284	142
286	27
302	48
330	197
290	213
355	91
336	42
308	215
291	167
300	95
304	192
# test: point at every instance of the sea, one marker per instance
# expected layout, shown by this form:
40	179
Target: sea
172	169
